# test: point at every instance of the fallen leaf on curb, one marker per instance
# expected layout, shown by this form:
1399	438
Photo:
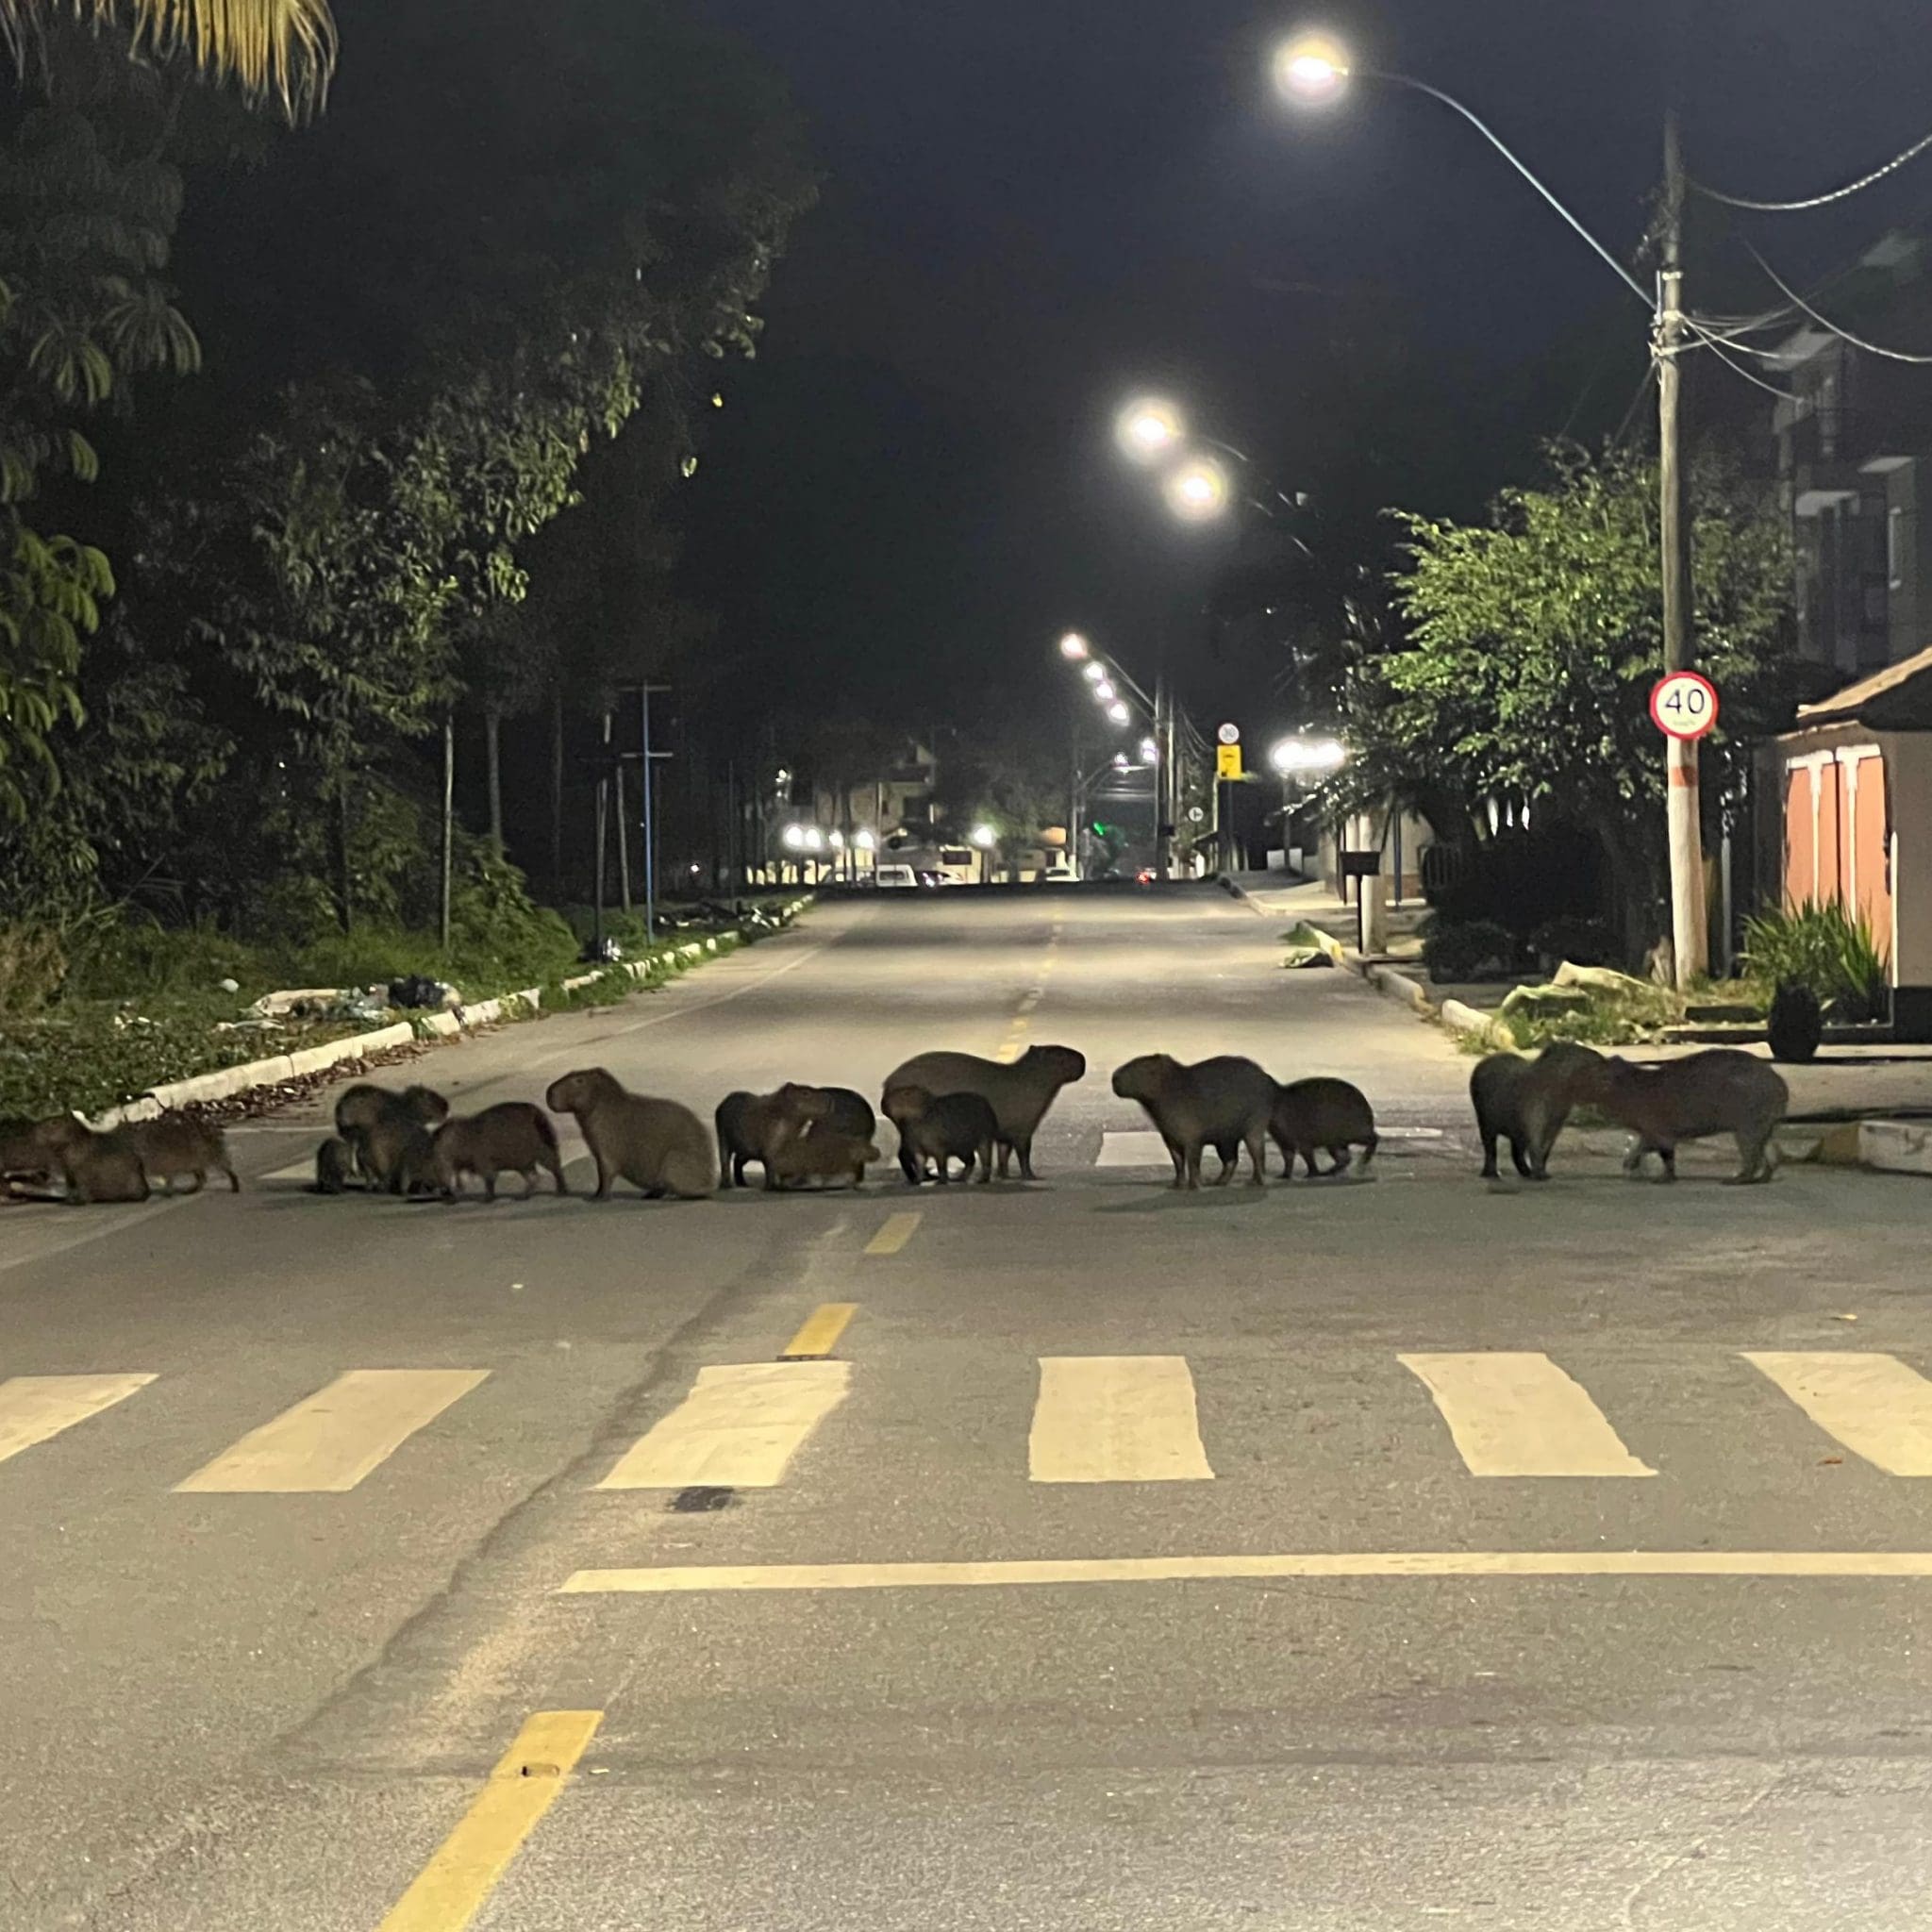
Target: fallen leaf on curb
1826	1460
1845	1318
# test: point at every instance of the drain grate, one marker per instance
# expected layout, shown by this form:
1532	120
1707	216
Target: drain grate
703	1496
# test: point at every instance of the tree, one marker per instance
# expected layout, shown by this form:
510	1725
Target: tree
1528	645
280	49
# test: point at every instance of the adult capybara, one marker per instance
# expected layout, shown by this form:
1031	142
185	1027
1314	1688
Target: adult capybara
178	1144
513	1137
748	1123
1667	1101
1019	1094
94	1167
396	1156
1222	1103
1325	1113
364	1110
1527	1101
935	1129
335	1166
836	1108
654	1144
819	1154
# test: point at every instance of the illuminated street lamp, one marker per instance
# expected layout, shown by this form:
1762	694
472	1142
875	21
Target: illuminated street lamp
1150	429
1118	712
1307	757
1311	68
864	840
1104	692
1093	674
1150	752
794	837
1074	646
1119	761
985	838
815	840
1196	490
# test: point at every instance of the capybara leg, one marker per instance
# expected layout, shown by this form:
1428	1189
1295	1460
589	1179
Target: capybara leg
1191	1163
1307	1155
529	1175
1178	1155
1342	1157
234	1180
943	1176
1025	1150
1519	1154
1668	1158
909	1166
200	1182
1753	1163
1228	1166
985	1164
555	1164
1633	1154
1258	1159
602	1192
1490	1171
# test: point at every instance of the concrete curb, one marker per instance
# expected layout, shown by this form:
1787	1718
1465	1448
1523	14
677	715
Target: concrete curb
225	1082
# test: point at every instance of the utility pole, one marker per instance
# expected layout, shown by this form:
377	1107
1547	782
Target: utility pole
649	827
1165	808
1687	934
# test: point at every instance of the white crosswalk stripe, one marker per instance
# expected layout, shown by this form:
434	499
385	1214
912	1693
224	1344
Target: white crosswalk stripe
1116	1419
1519	1414
1874	1404
330	1440
35	1408
739	1428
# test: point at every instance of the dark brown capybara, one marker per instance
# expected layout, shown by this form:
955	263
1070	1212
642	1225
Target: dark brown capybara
94	1167
22	1157
937	1129
1019	1094
835	1107
335	1166
396	1156
818	1154
1527	1102
513	1137
365	1111
1325	1113
1224	1103
748	1123
1664	1103
654	1144
178	1144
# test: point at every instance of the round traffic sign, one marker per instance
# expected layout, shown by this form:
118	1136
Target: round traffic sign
1229	734
1683	704
1196	814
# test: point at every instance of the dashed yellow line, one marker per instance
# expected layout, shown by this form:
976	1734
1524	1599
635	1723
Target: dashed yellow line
820	1335
450	1890
897	1231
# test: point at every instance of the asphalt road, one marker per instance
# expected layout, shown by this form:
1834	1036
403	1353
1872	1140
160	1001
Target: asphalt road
1363	1554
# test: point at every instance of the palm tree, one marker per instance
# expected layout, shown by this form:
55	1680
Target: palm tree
283	49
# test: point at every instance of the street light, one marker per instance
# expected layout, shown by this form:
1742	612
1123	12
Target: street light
1311	68
1308	756
1196	489
1149	428
1150	752
1118	712
1074	646
815	840
864	840
985	838
1093	674
794	837
1104	692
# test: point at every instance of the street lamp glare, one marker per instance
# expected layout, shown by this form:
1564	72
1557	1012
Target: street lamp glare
1150	752
1311	69
1196	489
1074	646
815	840
1118	712
1093	674
794	837
1149	427
864	840
984	836
1104	691
1308	756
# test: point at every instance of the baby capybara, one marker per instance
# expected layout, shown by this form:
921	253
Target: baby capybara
654	1144
335	1166
511	1136
748	1123
820	1154
1222	1103
178	1144
1019	1094
1527	1101
382	1126
1324	1113
1667	1101
94	1167
937	1129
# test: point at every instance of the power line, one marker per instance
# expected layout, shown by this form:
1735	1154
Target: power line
1785	208
1824	322
1717	348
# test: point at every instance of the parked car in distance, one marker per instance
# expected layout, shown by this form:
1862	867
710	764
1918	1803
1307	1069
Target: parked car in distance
900	876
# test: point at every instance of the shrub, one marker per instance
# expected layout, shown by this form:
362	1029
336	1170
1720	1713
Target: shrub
1581	942
1466	950
1520	879
32	965
1824	948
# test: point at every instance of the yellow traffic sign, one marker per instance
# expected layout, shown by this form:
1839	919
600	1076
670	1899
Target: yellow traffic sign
1227	761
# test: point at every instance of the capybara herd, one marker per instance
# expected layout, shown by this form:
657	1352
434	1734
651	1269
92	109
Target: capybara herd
946	1108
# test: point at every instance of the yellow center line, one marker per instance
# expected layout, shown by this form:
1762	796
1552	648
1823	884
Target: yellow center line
451	1889
897	1231
820	1335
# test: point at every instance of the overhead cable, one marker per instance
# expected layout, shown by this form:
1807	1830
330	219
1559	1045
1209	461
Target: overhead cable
1785	208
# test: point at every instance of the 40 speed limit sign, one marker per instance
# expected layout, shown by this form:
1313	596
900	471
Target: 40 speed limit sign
1683	704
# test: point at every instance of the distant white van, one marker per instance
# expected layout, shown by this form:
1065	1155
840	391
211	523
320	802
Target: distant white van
902	877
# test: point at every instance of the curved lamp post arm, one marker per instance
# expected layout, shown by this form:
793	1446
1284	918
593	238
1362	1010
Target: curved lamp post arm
1502	147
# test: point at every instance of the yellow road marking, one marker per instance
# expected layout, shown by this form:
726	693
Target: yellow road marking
33	1408
1521	1415
331	1440
897	1231
739	1428
1873	1403
451	1889
820	1335
1315	1564
1115	1418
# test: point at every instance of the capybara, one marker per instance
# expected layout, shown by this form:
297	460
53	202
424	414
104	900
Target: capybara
22	1157
1222	1103
820	1154
178	1144
1019	1094
365	1109
1526	1103
335	1166
935	1130
654	1144
511	1136
94	1167
747	1124
396	1156
1325	1113
1664	1103
837	1109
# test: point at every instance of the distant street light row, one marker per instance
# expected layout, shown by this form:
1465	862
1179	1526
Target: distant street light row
796	838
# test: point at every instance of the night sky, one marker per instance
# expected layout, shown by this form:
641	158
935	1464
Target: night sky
1034	206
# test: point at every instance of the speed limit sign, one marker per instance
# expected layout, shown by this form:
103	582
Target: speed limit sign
1683	704
1229	734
